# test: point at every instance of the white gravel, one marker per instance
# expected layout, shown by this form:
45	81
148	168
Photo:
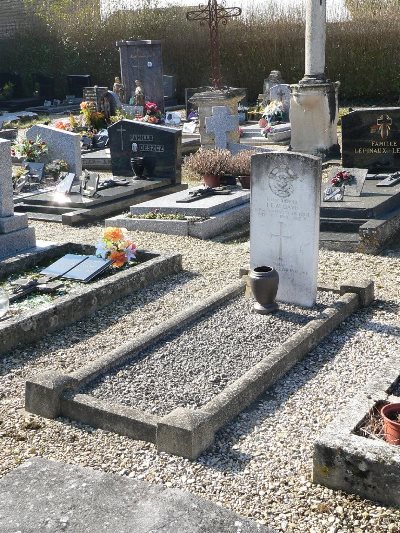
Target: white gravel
260	465
189	368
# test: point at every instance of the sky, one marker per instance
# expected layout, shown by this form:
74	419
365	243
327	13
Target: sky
335	8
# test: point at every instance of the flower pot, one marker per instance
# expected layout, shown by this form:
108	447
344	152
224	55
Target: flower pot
391	427
264	281
137	165
228	180
244	181
211	180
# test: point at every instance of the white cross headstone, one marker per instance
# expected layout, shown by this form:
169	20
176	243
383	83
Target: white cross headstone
221	124
284	221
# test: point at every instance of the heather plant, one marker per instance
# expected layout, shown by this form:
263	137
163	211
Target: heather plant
208	161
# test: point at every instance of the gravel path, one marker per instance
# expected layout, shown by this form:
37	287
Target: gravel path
191	367
260	465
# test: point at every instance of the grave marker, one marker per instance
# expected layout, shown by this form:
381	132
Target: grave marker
284	221
371	139
221	124
62	145
159	145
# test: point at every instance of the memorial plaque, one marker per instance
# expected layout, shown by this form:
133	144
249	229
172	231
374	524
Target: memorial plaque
159	145
63	265
284	221
371	139
358	178
65	185
79	267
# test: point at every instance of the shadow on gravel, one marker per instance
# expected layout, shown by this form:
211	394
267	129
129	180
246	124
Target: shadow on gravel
223	456
82	330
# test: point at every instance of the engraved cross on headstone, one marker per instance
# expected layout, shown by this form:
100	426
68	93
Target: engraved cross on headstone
384	122
221	124
281	236
121	131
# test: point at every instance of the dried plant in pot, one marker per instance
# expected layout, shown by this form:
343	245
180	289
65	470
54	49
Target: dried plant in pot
240	165
209	165
391	422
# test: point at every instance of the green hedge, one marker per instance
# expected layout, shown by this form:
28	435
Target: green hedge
362	54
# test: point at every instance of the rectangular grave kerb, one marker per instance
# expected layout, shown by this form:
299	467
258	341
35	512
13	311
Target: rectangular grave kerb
184	432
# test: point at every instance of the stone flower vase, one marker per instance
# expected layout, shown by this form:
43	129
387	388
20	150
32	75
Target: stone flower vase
390	414
137	165
264	281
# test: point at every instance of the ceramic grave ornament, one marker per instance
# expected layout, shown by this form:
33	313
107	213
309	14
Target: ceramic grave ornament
284	221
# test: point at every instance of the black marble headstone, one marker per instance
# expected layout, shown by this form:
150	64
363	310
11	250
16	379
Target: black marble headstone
371	139
159	145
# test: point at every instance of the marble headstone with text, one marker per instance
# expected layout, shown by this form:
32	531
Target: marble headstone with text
371	139
284	221
159	145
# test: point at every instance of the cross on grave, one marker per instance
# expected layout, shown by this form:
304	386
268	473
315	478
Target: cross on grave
384	122
214	13
221	123
280	95
280	236
121	130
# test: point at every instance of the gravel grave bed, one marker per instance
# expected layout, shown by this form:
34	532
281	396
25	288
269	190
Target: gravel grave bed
193	365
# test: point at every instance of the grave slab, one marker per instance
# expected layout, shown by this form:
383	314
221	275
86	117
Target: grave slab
204	207
284	221
183	431
31	325
66	497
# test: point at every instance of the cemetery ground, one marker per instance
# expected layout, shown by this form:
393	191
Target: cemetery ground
260	464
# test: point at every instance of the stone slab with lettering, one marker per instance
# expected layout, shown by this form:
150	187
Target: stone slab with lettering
159	145
284	221
359	176
371	139
61	144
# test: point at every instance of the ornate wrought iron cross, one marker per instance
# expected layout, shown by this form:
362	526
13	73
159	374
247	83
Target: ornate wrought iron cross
214	13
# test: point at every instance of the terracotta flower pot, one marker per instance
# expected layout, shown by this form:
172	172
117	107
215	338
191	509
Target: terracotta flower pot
211	180
264	281
244	181
391	427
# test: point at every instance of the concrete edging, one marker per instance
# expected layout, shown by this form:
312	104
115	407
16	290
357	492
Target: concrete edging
184	432
346	461
68	309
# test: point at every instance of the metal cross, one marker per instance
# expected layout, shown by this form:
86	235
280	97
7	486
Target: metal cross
384	122
214	13
121	130
281	236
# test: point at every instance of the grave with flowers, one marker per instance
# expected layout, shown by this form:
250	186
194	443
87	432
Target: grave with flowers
54	285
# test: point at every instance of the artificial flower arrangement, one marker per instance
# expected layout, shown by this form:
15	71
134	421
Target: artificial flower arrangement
115	246
56	168
30	150
91	117
342	178
152	113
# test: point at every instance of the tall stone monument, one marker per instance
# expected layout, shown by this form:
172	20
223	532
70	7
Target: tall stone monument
15	235
314	103
284	221
142	60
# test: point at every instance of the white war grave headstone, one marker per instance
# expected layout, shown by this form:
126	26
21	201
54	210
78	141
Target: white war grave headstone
284	221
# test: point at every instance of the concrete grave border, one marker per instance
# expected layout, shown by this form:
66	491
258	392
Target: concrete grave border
346	461
183	431
68	309
201	229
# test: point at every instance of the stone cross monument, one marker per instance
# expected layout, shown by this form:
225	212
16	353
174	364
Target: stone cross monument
221	124
314	102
